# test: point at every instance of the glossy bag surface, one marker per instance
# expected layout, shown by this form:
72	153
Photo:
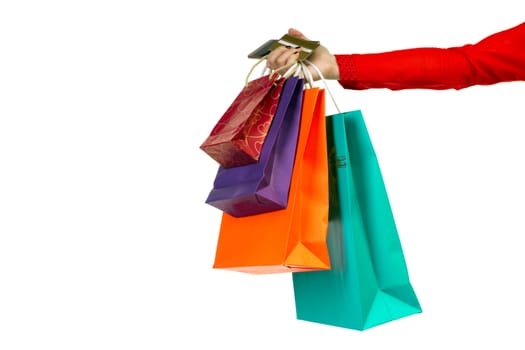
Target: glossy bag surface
238	136
294	238
264	186
368	283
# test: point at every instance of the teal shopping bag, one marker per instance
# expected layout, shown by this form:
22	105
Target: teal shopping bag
368	283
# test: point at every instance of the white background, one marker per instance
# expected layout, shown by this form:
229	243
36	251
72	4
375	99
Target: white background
105	240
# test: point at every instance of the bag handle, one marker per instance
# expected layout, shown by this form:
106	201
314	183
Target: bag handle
250	72
321	77
300	68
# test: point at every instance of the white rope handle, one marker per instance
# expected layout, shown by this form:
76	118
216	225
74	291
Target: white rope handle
293	70
307	74
299	69
262	59
321	77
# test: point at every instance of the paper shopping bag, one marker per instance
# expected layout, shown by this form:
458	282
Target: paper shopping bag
368	283
239	134
264	186
294	238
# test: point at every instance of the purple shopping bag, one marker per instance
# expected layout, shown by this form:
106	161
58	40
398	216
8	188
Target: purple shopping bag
263	186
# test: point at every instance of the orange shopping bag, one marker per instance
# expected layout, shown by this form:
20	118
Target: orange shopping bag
291	239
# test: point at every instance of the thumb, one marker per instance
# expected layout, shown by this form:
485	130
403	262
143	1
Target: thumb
296	33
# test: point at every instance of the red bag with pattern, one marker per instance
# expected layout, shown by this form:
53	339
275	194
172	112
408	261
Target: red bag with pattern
238	136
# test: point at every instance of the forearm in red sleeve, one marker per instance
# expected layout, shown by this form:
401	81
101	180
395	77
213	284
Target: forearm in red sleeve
497	58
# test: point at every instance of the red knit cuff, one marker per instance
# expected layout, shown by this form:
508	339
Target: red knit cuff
347	71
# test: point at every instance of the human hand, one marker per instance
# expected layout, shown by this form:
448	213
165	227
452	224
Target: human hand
282	58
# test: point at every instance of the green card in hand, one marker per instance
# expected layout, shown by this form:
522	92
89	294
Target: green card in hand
306	46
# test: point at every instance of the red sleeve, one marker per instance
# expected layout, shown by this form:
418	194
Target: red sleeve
495	59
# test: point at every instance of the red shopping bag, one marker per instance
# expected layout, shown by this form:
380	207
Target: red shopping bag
238	136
